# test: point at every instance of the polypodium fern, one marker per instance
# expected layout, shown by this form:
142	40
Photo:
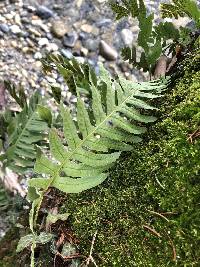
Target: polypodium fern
182	8
24	130
103	130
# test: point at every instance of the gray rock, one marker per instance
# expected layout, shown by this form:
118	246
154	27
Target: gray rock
59	28
44	12
127	37
91	44
107	51
4	28
70	39
15	29
103	22
66	53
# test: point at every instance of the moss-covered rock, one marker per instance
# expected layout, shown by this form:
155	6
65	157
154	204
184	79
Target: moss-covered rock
148	212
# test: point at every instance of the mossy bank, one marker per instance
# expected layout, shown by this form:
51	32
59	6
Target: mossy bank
148	212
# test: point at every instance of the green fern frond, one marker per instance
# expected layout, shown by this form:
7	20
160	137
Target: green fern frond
128	7
24	130
95	142
19	95
76	75
181	8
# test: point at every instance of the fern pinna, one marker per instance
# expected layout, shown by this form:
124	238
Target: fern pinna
26	129
104	129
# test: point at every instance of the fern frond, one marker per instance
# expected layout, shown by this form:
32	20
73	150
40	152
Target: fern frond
128	7
181	8
24	131
76	75
96	141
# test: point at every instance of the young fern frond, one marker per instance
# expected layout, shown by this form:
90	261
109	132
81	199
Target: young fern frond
24	130
95	143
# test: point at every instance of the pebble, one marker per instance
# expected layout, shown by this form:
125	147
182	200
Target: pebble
43	42
15	29
38	55
4	28
107	51
59	28
91	44
86	28
52	47
70	39
127	37
44	12
66	53
17	19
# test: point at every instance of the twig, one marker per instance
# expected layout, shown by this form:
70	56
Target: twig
90	258
158	214
153	231
173	248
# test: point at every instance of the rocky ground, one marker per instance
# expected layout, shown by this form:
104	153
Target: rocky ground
81	28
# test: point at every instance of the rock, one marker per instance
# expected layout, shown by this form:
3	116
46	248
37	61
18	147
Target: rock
107	51
38	55
49	36
13	43
44	12
86	28
15	29
84	51
59	28
91	44
52	47
43	42
17	19
4	28
127	37
103	22
70	39
35	32
66	53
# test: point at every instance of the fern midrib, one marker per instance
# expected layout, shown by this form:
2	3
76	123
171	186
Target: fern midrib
91	134
24	129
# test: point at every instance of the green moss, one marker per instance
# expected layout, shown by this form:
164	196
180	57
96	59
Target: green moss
161	175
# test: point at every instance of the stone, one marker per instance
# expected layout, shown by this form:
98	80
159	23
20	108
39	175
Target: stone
86	28
43	42
127	37
103	22
17	19
44	12
15	29
59	28
52	47
66	53
91	44
38	55
70	39
4	28
107	51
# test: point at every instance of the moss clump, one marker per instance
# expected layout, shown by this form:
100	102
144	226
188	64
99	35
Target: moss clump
148	212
